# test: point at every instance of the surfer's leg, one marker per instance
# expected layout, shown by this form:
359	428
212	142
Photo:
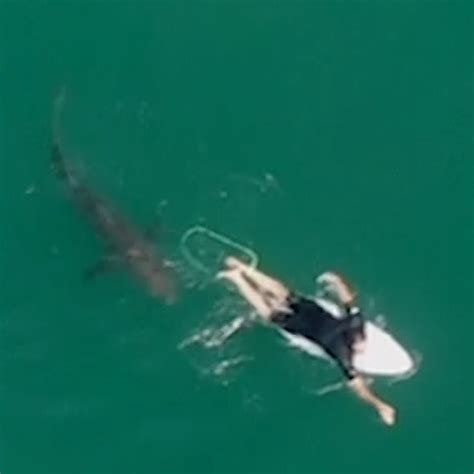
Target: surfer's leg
272	287
253	296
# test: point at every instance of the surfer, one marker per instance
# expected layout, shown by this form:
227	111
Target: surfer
296	314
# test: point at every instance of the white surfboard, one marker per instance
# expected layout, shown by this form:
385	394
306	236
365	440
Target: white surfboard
383	355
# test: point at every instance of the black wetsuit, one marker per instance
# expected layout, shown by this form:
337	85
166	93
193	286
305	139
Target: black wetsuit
335	336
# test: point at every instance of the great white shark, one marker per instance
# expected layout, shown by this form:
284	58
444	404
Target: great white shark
128	246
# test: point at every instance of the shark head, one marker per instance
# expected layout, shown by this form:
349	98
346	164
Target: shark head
162	284
152	270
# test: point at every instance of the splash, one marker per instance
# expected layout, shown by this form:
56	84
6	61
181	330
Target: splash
212	337
222	367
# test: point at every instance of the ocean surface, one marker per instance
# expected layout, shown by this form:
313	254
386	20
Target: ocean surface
325	135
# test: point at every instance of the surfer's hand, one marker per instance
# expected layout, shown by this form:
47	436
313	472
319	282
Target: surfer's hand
337	285
388	414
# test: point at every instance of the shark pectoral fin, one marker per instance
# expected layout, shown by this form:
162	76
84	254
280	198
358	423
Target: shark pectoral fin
106	265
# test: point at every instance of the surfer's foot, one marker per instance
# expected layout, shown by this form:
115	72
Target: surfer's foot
232	275
235	264
234	272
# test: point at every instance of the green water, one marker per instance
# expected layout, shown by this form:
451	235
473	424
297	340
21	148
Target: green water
328	135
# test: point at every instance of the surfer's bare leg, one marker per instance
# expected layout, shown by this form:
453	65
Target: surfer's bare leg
272	287
386	412
253	296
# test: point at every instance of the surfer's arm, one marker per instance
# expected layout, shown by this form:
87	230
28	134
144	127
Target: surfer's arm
337	285
360	387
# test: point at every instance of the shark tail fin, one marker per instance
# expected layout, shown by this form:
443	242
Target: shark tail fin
57	159
58	164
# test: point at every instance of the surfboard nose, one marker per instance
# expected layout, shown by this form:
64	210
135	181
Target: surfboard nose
383	354
400	364
408	363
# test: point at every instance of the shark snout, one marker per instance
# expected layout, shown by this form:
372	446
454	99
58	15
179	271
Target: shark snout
163	286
